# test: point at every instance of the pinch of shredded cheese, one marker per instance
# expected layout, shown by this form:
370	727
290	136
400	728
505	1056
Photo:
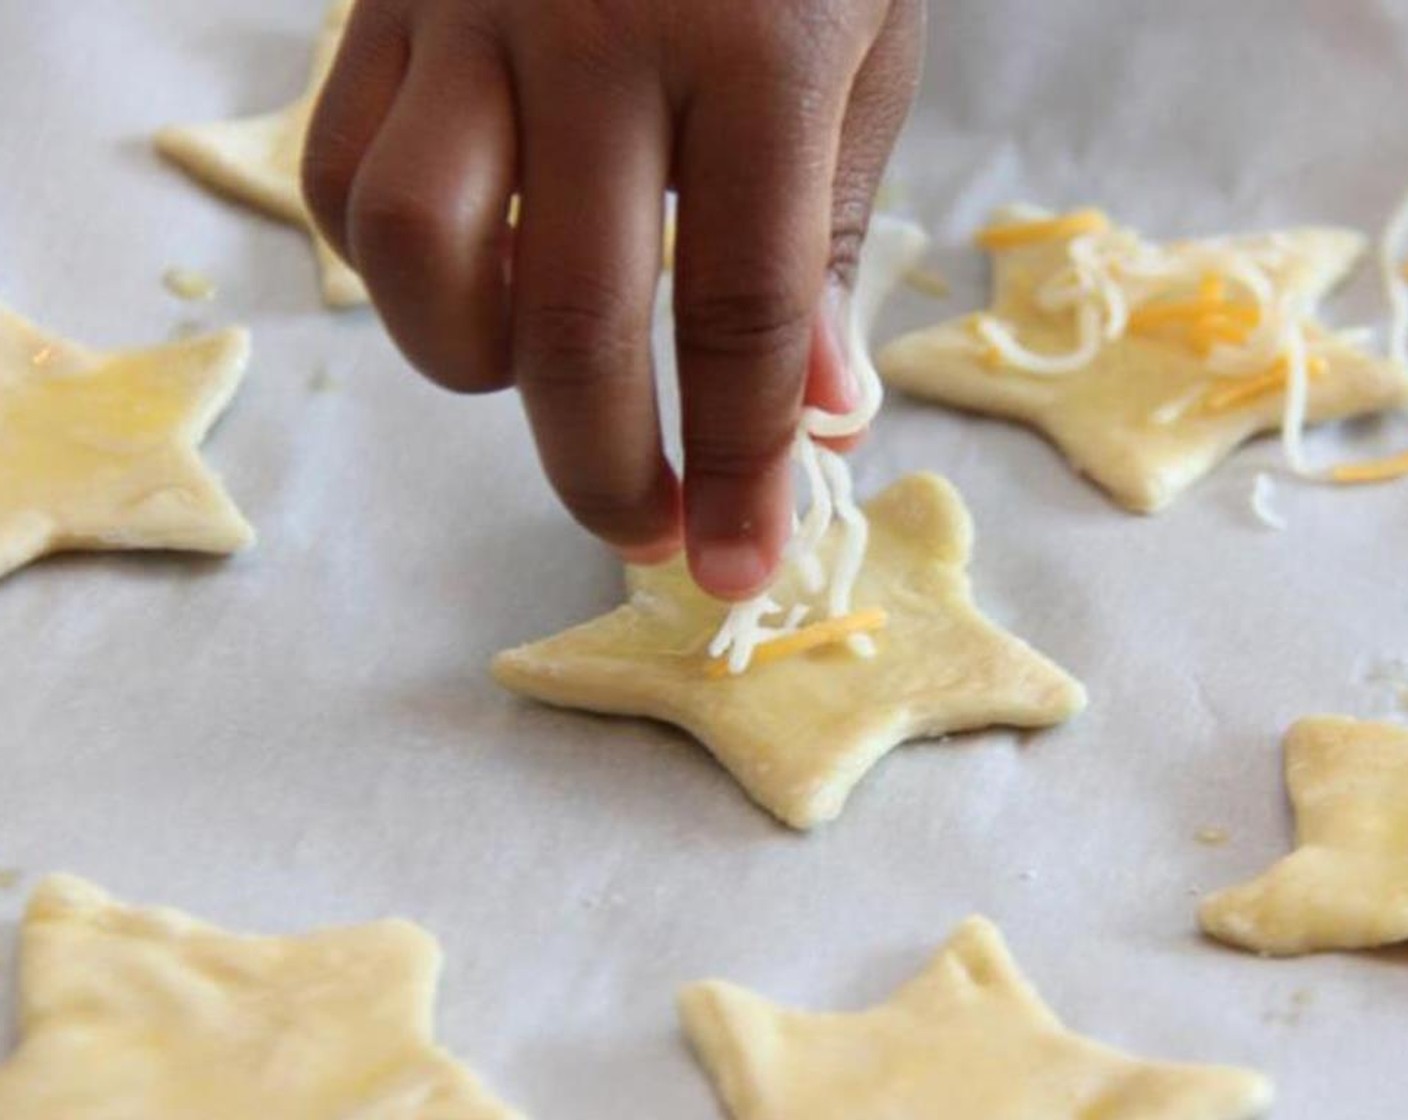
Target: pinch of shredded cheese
892	249
827	632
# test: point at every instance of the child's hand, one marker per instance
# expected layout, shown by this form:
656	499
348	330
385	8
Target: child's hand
772	118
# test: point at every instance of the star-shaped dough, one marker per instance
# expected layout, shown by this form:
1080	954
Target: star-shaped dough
967	1040
98	451
1106	418
799	733
150	1014
257	161
1346	884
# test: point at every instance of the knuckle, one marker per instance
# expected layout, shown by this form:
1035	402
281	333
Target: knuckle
736	454
567	342
611	511
743	321
390	221
796	39
326	176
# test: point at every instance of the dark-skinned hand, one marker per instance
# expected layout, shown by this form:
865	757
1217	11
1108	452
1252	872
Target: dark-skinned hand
773	119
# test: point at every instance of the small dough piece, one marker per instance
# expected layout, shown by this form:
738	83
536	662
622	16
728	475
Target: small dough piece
967	1040
1103	416
99	451
258	160
1346	884
151	1015
800	733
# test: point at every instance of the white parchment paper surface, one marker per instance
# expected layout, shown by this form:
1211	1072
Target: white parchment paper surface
307	734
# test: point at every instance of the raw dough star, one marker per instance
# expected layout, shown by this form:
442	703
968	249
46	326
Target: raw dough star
1346	884
1102	417
98	451
799	733
967	1040
257	160
130	1014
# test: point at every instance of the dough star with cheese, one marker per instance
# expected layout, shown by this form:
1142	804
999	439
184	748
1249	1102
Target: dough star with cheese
969	1039
257	161
99	451
1119	419
799	733
1346	884
146	1013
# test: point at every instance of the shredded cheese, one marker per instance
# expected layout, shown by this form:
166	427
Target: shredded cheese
1217	297
1262	489
1245	390
890	252
188	284
827	632
1374	470
1012	235
928	282
1391	262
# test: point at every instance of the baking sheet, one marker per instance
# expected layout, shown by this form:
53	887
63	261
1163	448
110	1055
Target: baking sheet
307	734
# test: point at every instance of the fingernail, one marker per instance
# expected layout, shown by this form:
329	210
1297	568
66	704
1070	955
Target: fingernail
648	555
836	324
729	569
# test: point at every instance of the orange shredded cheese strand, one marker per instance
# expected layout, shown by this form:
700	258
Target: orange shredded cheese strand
827	632
1375	470
1247	389
1184	311
1212	289
1012	235
1215	327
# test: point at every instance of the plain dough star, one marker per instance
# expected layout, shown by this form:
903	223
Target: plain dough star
800	733
150	1014
1106	418
257	160
969	1039
99	451
1346	884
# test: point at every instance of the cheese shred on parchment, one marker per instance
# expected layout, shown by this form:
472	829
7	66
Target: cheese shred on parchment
1262	489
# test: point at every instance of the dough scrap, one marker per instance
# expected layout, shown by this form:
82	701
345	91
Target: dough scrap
1346	884
99	451
969	1039
257	160
1103	416
147	1013
800	733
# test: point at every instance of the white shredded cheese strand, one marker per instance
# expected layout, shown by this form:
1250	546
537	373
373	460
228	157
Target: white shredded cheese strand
1089	340
1172	411
809	530
1262	489
855	536
891	251
1391	252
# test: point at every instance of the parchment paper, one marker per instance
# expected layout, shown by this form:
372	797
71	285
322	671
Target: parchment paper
307	734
